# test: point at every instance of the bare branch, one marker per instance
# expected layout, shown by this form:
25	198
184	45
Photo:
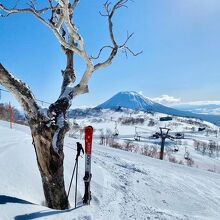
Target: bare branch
108	61
127	39
73	32
109	12
100	51
62	25
17	10
132	52
49	25
74	5
32	4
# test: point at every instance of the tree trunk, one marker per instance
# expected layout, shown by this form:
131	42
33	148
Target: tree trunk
50	164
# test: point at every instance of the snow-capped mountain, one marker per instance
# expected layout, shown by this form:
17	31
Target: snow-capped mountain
136	101
131	100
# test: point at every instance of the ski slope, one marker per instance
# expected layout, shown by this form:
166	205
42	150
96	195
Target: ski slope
124	185
108	120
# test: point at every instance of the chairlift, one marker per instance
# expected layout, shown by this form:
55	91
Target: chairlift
116	133
186	155
179	135
155	136
176	148
137	137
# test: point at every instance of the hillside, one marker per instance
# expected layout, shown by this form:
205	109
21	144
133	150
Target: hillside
202	146
124	185
138	102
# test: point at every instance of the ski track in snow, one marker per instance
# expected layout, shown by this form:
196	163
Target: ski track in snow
134	180
132	205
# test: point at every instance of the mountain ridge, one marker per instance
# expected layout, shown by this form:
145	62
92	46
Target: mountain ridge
136	101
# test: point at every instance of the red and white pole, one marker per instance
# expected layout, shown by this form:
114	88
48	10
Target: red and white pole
11	115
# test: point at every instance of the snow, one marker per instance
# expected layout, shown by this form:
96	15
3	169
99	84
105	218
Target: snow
107	119
136	101
60	123
132	100
124	185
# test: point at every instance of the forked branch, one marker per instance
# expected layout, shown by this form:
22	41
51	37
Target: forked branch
62	25
109	13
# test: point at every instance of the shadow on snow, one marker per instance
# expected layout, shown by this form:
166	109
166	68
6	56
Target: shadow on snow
8	199
44	213
40	214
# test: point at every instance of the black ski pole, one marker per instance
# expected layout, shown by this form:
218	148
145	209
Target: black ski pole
76	183
79	149
71	180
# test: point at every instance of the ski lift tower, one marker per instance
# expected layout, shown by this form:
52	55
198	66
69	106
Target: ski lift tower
164	133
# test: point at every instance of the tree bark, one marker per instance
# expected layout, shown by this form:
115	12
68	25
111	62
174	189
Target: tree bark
49	150
50	165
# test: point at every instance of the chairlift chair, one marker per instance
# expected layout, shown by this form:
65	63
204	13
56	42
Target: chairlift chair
186	155
116	134
176	148
155	135
137	137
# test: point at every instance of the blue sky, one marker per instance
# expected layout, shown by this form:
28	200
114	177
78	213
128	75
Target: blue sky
180	39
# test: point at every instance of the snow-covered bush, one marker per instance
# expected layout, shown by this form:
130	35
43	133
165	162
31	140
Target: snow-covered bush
172	159
190	162
131	121
129	146
151	123
150	151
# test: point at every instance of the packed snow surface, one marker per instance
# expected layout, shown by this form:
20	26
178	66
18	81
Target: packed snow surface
124	185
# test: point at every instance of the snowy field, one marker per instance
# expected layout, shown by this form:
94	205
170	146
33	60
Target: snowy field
111	122
124	185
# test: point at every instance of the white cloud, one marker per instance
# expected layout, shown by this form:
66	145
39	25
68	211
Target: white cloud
201	103
166	99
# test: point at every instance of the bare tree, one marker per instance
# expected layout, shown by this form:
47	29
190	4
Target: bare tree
48	130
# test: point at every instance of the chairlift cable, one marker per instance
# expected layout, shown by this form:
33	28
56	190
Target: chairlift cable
38	100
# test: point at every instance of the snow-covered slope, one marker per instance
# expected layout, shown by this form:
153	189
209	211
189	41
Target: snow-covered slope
136	101
124	185
128	124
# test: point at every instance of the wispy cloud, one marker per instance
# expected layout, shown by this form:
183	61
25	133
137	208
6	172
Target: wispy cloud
201	103
166	99
174	101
